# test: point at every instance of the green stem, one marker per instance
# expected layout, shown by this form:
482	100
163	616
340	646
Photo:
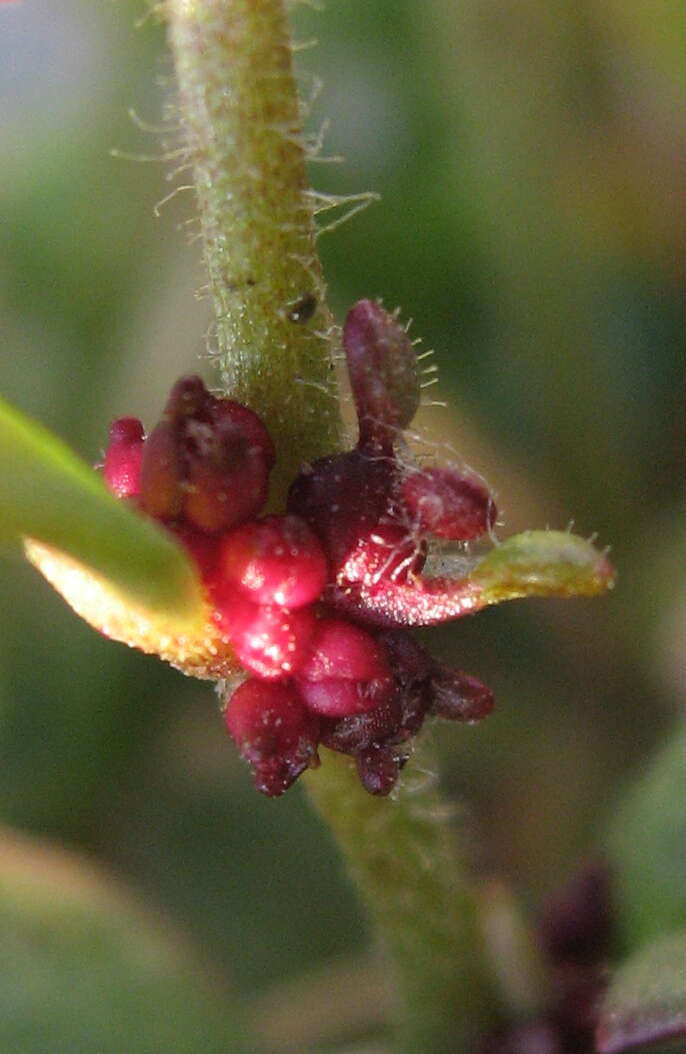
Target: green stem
238	101
240	109
409	866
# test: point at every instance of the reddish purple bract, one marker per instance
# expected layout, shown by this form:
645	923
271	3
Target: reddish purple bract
315	603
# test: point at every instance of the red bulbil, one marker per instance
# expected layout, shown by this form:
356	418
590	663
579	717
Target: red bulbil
383	374
346	671
274	732
447	504
277	560
272	642
122	467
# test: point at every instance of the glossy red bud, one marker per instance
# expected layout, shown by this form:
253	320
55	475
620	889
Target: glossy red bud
123	456
447	504
383	373
274	732
346	671
277	560
272	642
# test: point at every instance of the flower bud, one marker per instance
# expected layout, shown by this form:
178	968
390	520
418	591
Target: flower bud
378	768
122	467
357	732
346	671
277	560
457	697
272	642
342	498
274	732
383	374
162	473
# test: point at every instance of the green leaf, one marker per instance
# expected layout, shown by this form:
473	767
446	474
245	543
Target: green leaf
48	493
543	563
647	846
84	968
646	1002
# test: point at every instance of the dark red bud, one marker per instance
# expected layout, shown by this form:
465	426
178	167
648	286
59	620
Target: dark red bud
378	768
457	697
162	473
277	560
350	735
227	483
270	641
188	398
123	456
245	421
343	497
274	732
383	373
447	504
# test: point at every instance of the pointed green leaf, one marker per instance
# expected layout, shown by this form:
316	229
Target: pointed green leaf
544	564
48	493
646	1002
647	846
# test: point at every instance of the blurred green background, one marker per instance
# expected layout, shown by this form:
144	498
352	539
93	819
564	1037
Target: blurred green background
531	162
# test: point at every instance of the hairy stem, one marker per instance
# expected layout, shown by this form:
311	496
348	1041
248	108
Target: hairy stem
240	109
239	104
407	863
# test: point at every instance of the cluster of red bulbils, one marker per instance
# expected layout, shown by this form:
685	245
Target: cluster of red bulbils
315	603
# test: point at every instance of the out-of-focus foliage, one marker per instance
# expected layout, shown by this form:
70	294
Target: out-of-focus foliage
530	161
